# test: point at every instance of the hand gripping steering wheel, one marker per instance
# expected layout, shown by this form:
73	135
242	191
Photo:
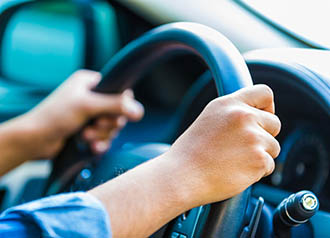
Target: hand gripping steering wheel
229	71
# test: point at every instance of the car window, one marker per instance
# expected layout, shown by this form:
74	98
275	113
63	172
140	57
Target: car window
305	20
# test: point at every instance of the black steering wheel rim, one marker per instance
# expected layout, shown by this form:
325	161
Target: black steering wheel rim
226	64
228	69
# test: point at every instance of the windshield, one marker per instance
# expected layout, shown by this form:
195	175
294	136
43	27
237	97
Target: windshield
307	21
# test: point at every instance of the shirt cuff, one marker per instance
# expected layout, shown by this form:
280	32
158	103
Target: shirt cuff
67	215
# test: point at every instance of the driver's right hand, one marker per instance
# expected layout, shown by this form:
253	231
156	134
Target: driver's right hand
230	146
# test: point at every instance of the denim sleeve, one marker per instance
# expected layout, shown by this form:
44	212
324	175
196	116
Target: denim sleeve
67	215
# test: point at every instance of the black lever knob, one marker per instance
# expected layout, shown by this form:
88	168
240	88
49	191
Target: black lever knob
297	209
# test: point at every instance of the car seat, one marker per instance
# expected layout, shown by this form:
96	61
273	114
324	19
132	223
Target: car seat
43	42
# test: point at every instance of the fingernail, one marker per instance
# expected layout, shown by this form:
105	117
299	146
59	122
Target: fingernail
101	146
129	93
133	106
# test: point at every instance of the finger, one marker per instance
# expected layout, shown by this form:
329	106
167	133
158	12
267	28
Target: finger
259	96
84	76
270	164
104	128
114	105
110	122
97	103
271	145
270	122
100	147
94	133
129	93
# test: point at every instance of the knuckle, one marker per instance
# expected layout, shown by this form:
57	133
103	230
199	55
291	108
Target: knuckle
219	101
80	71
121	105
86	105
77	73
214	103
242	116
252	138
87	72
120	122
259	155
261	159
263	162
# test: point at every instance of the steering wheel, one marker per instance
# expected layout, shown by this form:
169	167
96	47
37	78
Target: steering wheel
229	71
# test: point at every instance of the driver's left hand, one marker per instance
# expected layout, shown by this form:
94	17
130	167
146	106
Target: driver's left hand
73	104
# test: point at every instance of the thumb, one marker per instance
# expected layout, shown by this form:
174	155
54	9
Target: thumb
259	96
100	103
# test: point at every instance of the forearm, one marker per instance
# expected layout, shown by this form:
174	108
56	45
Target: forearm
19	142
142	200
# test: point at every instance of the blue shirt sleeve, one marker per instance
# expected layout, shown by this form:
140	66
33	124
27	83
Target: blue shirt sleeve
74	215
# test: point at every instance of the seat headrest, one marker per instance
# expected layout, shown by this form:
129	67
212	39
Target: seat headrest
44	42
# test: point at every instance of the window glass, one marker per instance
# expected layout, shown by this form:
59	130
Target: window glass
306	20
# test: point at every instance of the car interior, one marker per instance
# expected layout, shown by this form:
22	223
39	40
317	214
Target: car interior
165	51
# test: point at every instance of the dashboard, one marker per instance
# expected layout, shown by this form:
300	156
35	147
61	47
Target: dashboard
304	161
302	106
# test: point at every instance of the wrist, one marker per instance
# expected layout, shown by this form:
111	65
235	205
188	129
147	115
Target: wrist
176	180
28	136
155	187
46	141
31	136
18	143
181	178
